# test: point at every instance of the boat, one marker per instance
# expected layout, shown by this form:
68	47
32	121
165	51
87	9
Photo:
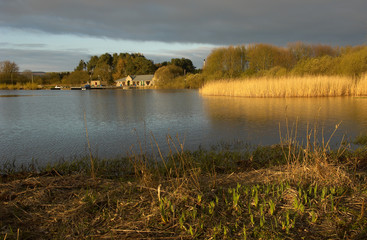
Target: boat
56	88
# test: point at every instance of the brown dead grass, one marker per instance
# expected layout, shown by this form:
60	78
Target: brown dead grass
78	207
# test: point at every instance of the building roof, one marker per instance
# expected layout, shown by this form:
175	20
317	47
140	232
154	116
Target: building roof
138	78
143	77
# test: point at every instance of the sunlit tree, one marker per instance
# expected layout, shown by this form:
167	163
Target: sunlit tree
103	72
82	66
164	76
354	62
8	71
91	65
184	63
76	78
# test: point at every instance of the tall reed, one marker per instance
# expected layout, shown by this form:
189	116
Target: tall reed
310	86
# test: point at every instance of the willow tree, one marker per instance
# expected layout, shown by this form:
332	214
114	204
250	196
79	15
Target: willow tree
227	62
165	77
354	62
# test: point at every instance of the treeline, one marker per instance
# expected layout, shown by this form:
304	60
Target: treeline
254	60
297	59
108	68
10	75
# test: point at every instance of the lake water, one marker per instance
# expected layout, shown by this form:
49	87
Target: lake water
50	125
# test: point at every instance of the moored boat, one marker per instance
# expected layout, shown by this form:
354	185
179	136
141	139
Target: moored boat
56	88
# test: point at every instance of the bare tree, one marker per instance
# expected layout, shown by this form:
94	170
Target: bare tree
8	69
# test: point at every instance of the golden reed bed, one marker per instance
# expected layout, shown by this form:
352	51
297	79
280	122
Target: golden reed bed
310	86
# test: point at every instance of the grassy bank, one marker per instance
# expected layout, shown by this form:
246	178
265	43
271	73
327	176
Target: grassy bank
310	86
19	86
285	191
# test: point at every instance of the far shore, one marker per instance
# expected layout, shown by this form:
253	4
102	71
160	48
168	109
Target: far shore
61	87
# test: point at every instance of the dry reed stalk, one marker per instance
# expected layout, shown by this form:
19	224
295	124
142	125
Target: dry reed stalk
361	86
89	148
312	164
310	86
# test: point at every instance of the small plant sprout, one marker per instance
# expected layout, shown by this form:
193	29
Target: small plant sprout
298	206
252	219
191	231
199	198
261	210
162	210
310	190
225	230
181	221
256	199
271	207
295	203
262	221
305	198
194	214
324	192
275	221
244	232
246	190
313	217
236	197
332	190
211	207
315	191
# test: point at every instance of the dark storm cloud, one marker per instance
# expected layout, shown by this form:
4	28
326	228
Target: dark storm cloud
197	21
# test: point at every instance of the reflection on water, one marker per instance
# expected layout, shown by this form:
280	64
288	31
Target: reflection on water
16	95
265	110
50	125
260	116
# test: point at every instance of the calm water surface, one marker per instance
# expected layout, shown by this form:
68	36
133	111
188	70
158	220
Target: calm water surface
49	125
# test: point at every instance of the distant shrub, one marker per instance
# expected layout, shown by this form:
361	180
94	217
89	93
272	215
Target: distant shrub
167	77
77	77
194	80
354	62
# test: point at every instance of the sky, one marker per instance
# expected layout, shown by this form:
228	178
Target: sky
53	35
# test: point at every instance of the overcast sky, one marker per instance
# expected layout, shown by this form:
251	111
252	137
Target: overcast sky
53	35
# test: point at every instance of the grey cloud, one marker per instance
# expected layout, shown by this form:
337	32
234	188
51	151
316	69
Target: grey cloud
67	60
43	60
30	45
196	55
196	21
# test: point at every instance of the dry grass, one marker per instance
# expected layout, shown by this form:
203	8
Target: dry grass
316	162
78	207
312	196
18	86
311	86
